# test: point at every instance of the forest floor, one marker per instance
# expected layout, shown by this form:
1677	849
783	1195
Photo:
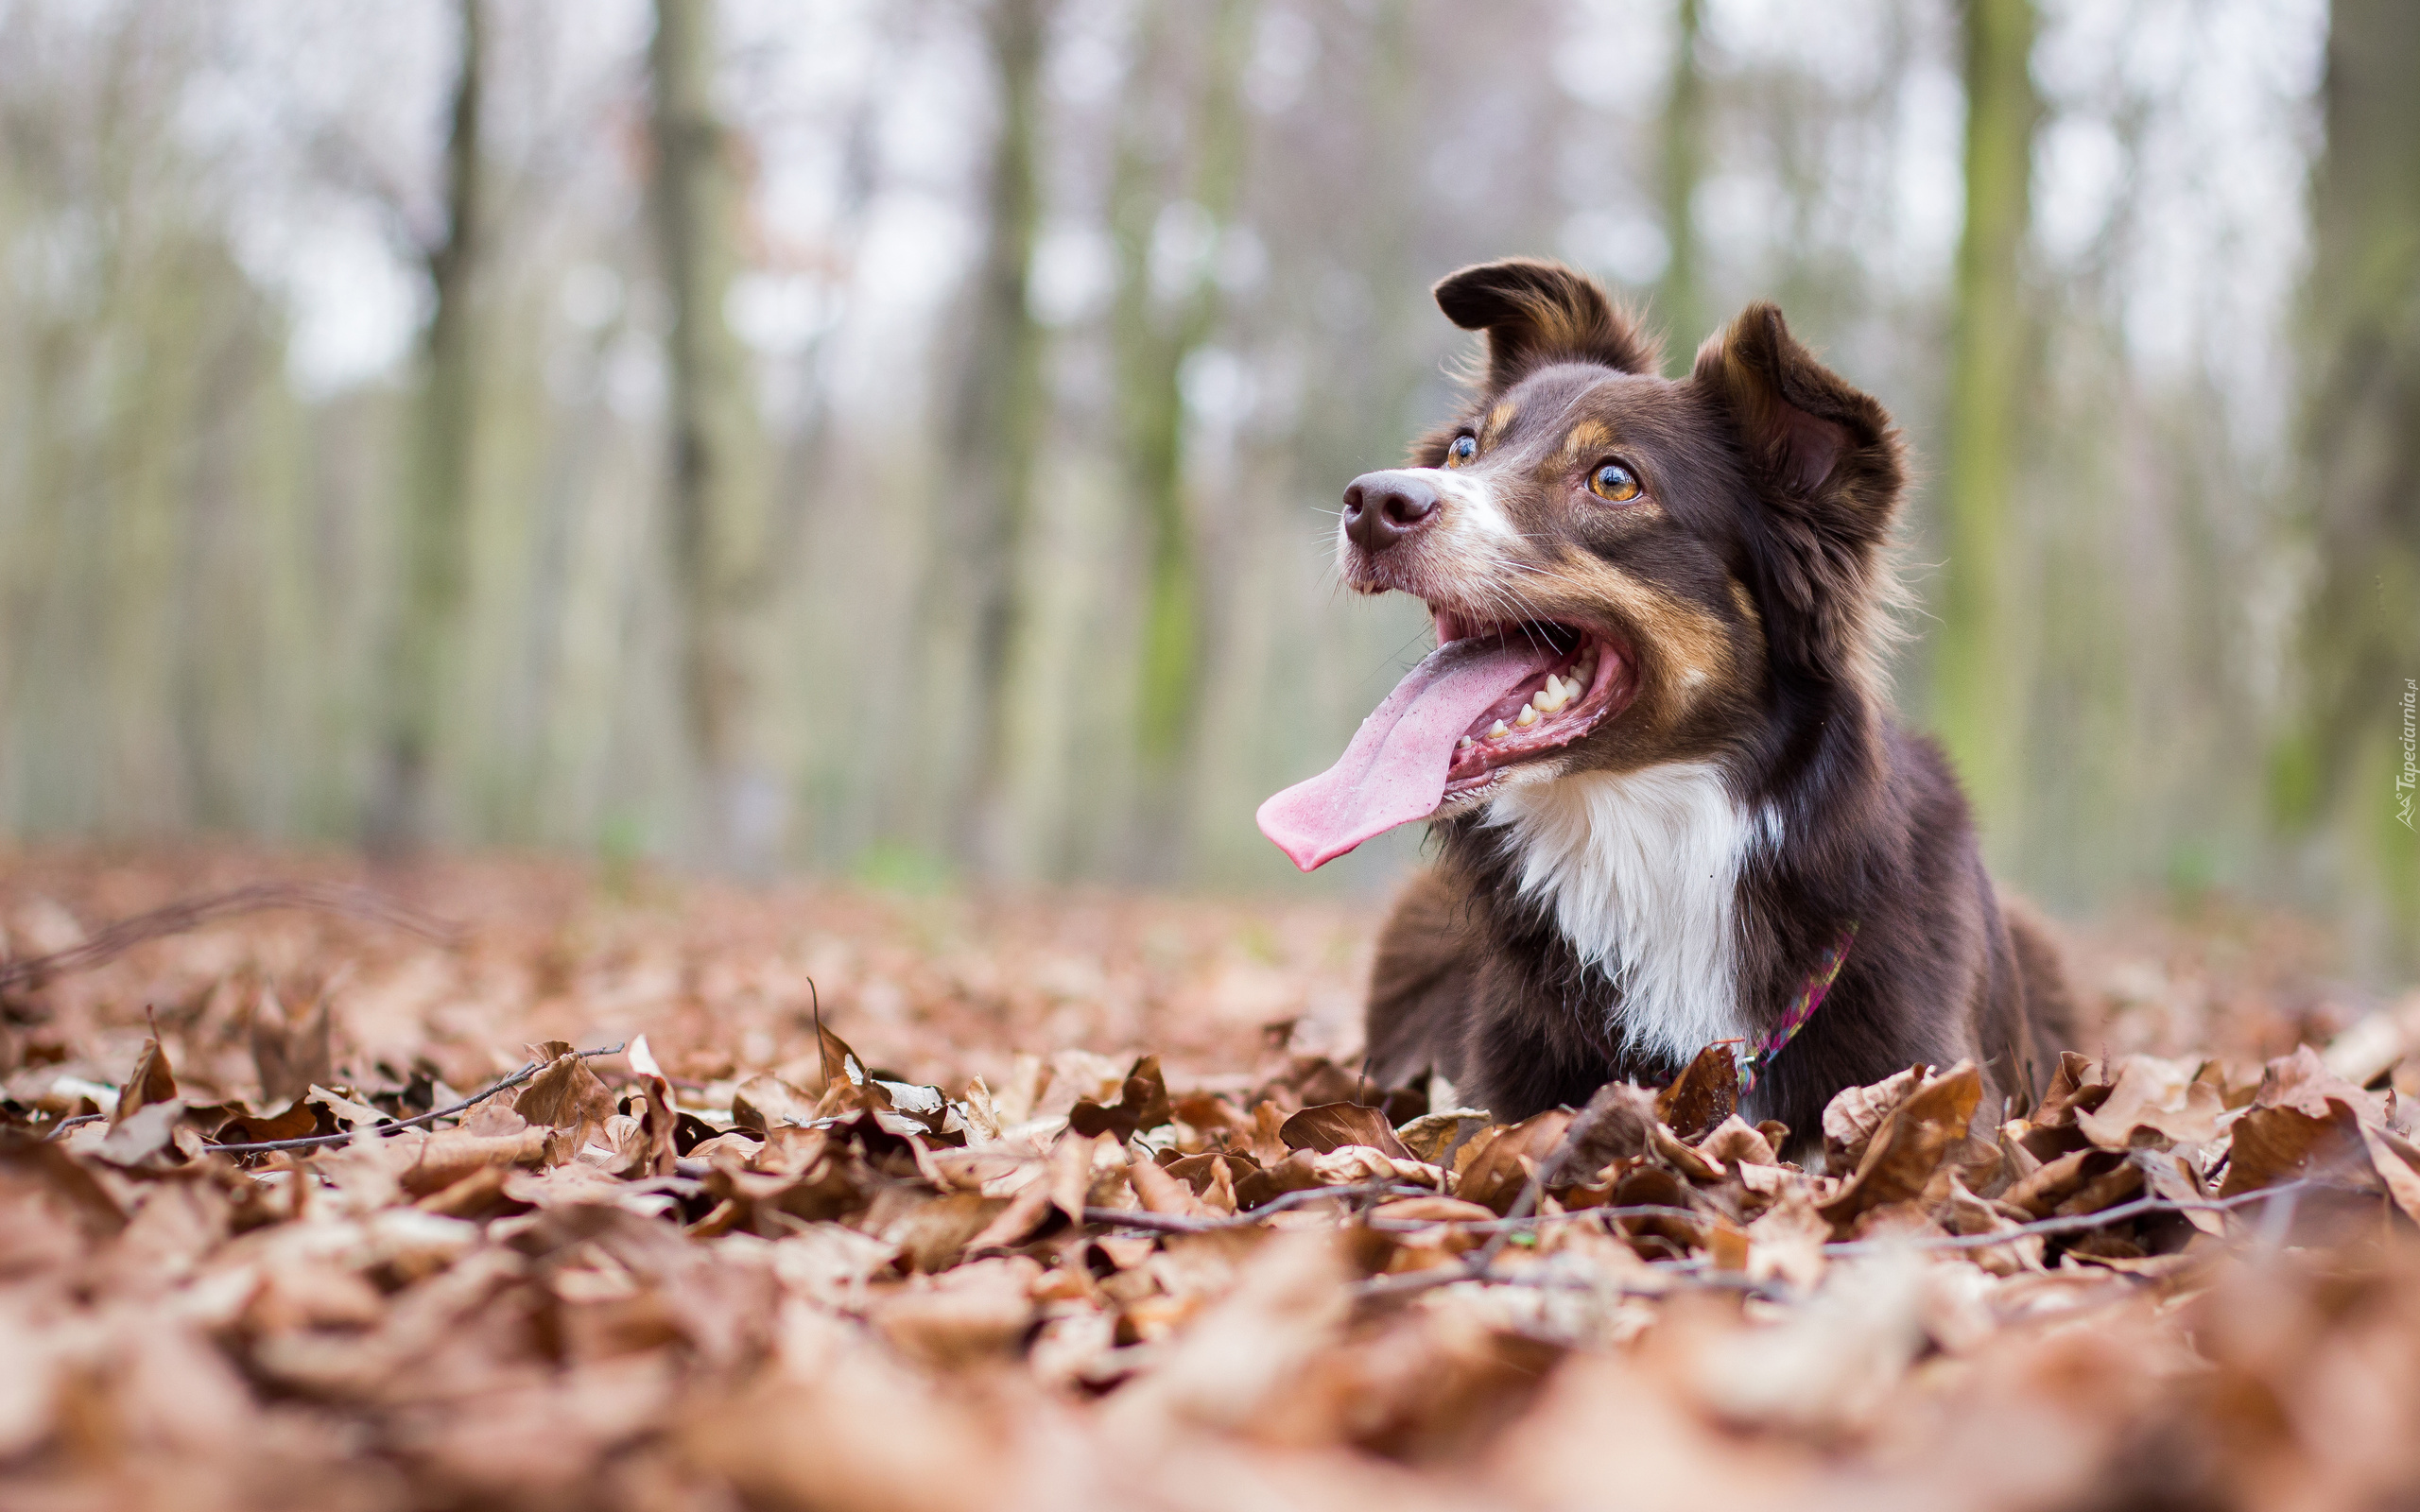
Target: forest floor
1079	1200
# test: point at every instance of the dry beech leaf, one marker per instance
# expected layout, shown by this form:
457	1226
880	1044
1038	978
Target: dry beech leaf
656	1152
926	1108
2078	1086
2396	1161
1705	1093
2106	1190
1432	1137
1492	1172
1221	1167
1268	1145
351	1111
1853	1115
932	1231
2155	1098
2054	1182
1914	1136
1656	1186
2017	1161
1334	1125
445	1158
1735	1143
2168	1177
1216	1117
831	1063
1142	1103
982	1116
298	1120
2271	1145
1349	1164
765	1102
1296	1172
150	1082
1961	1211
146	1140
1053	1201
479	1195
566	1095
1218	1194
1159	1192
1684	1159
2303	1082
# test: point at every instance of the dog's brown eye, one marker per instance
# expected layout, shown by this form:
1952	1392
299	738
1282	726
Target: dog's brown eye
1461	451
1614	482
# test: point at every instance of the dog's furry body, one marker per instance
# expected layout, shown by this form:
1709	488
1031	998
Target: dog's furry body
1667	866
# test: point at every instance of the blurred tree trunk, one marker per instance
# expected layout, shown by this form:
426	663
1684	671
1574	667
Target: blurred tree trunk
2345	773
423	648
718	511
1164	313
1978	703
986	500
1679	296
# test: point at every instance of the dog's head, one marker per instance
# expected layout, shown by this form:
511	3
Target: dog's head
1621	568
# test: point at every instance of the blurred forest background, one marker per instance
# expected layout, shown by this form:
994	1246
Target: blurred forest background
896	436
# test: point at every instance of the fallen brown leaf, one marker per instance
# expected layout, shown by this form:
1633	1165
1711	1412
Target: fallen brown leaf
1908	1144
150	1083
1142	1103
1333	1125
1706	1093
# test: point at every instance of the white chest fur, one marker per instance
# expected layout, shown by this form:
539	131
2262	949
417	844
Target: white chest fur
1641	872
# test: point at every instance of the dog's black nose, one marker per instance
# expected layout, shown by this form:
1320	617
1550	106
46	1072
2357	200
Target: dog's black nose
1382	508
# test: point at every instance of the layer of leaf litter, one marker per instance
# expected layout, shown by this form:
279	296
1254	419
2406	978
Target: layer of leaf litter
1081	1201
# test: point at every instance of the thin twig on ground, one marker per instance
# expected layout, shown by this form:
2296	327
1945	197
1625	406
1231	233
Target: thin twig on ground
1179	1222
313	1141
2072	1222
2079	1222
65	1124
113	941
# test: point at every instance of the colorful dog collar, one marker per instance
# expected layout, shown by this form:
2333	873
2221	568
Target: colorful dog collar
1802	1007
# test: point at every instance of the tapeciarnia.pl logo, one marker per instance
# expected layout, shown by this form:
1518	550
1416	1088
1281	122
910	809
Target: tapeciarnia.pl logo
2409	776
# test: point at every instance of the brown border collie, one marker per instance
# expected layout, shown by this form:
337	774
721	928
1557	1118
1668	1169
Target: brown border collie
1655	739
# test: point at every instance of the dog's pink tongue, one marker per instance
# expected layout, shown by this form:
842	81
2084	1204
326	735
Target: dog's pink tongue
1394	771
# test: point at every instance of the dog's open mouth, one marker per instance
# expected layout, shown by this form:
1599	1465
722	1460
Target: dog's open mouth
1491	695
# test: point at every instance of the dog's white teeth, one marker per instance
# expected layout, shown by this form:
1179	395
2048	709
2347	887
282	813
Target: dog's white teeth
1496	730
1528	716
1551	698
1464	744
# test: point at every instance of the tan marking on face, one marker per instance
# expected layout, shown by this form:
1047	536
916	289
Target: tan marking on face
1744	602
1587	440
1688	643
1499	420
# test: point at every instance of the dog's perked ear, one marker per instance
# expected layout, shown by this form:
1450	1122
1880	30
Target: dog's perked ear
1536	313
1829	470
